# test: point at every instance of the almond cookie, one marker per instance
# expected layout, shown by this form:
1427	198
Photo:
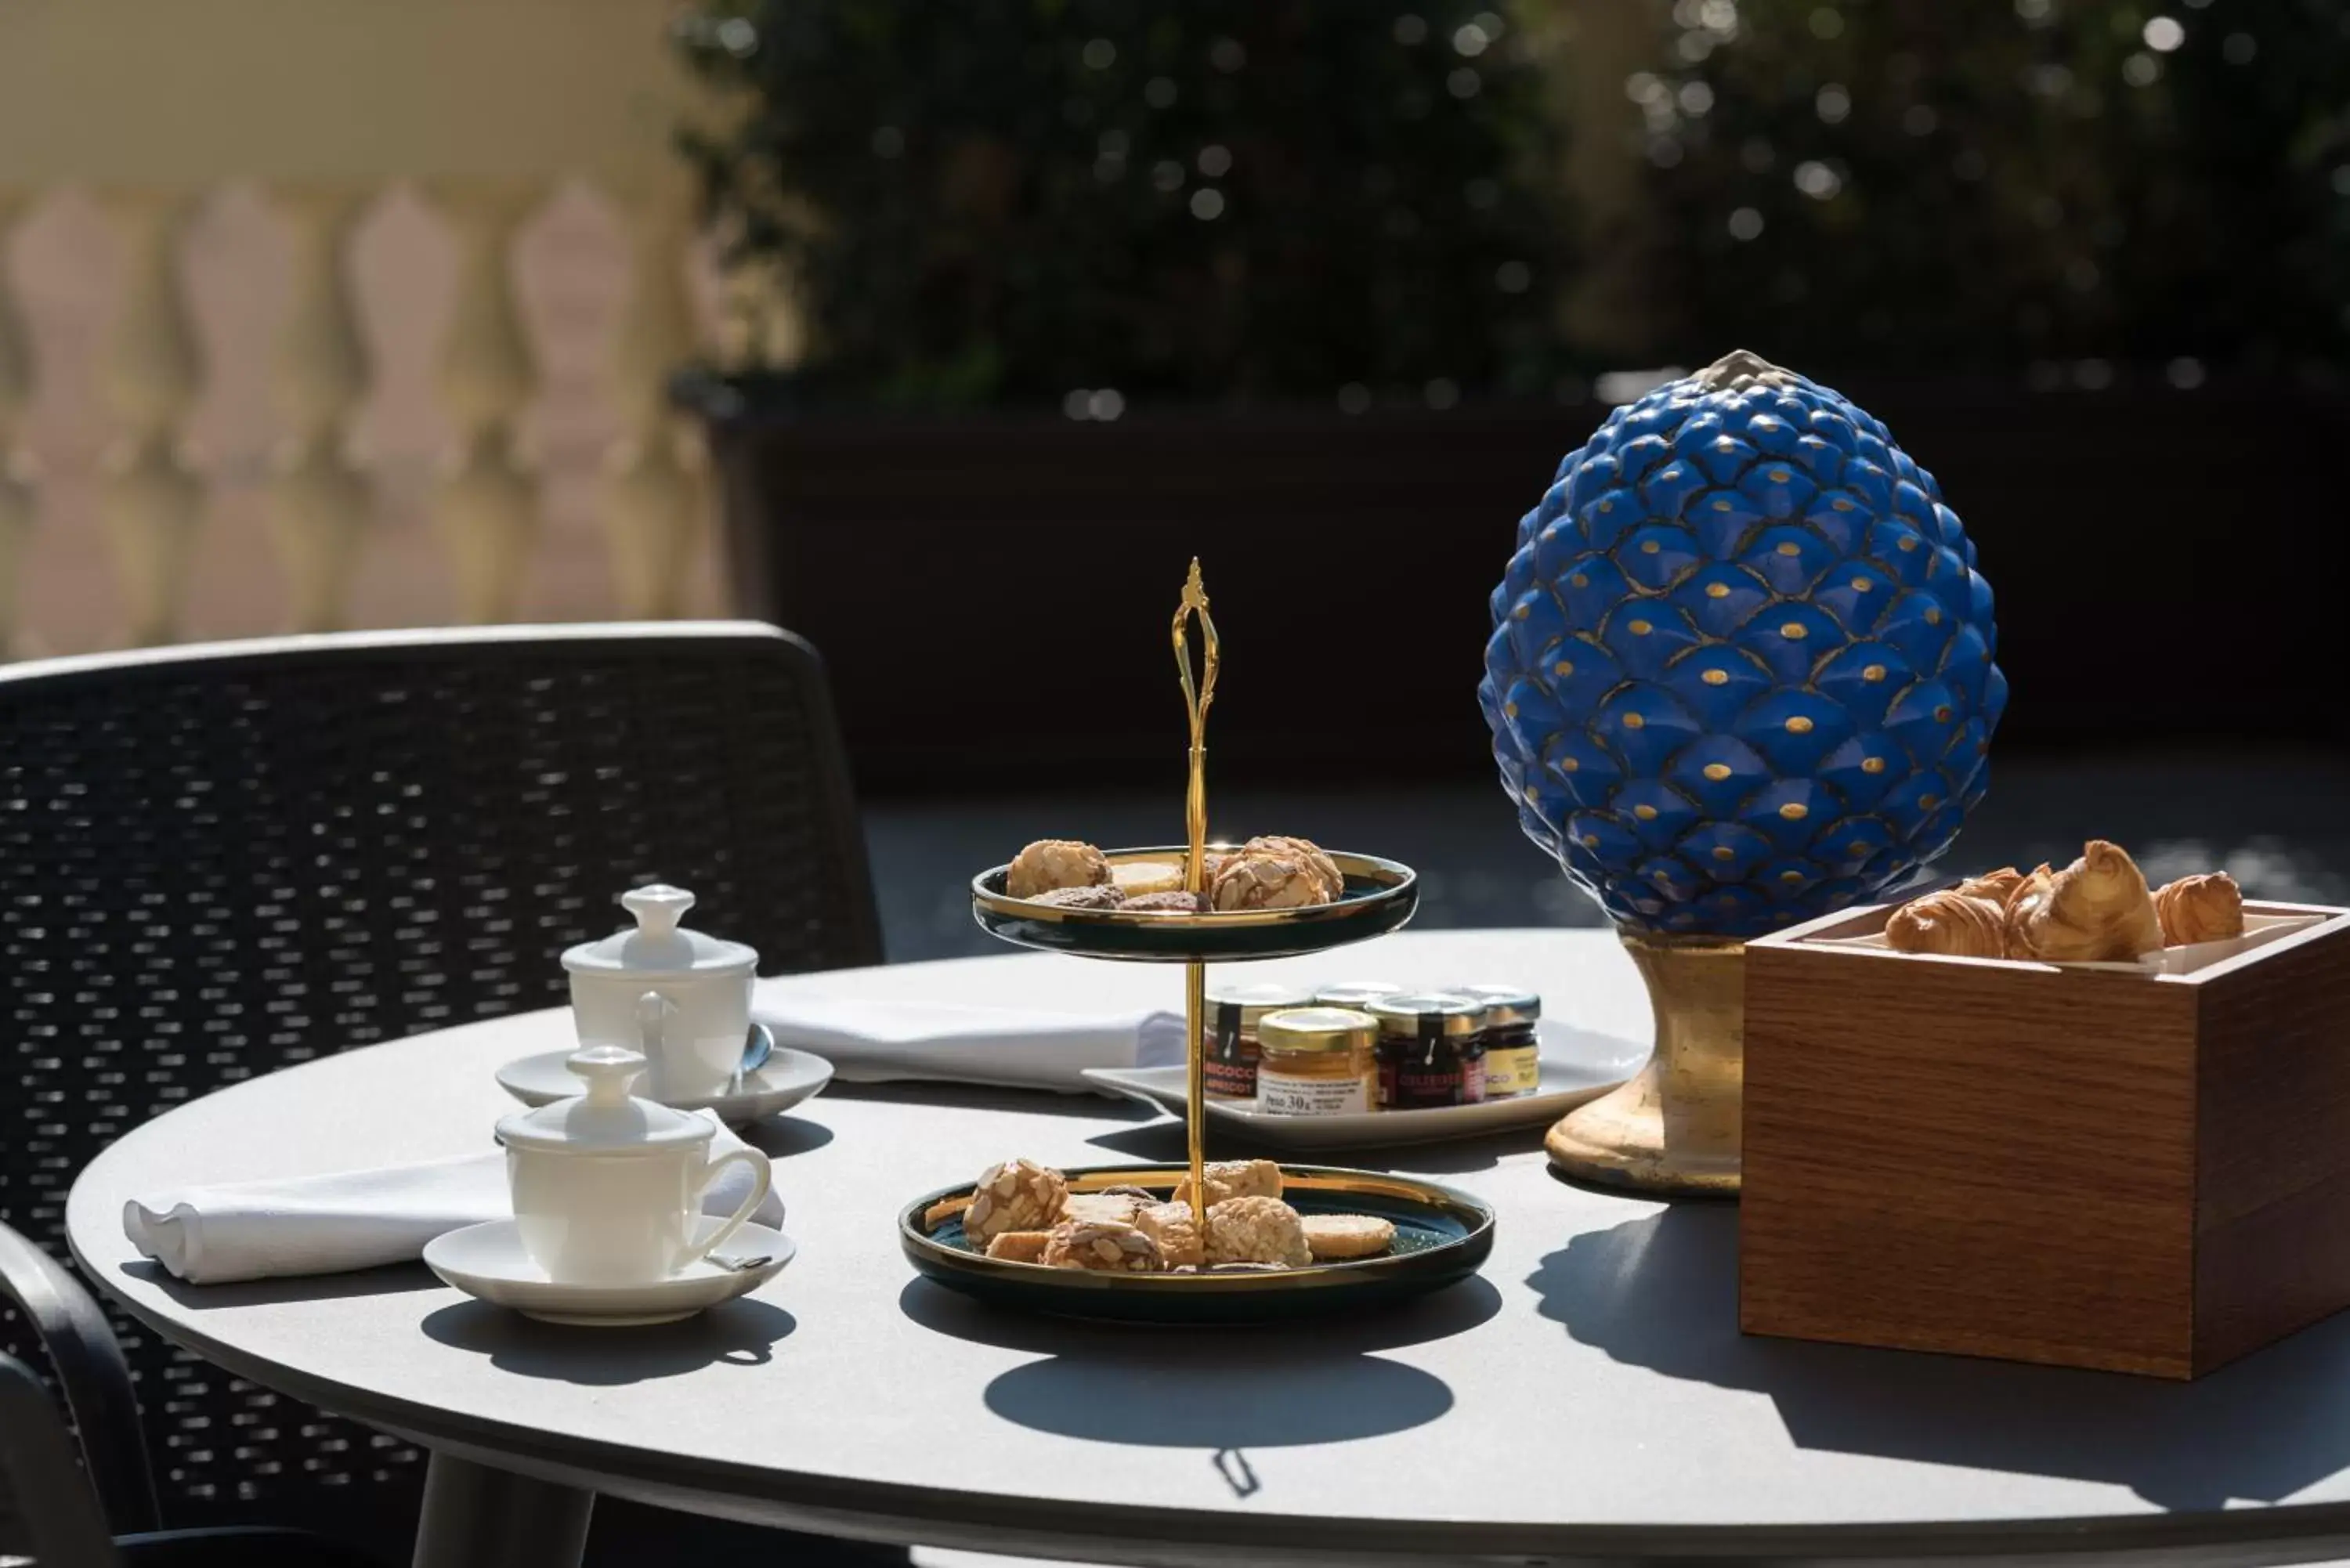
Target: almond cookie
1336	1238
1018	1196
1256	1230
1101	1208
1169	1225
1051	863
1229	1179
1105	1249
1136	878
1020	1246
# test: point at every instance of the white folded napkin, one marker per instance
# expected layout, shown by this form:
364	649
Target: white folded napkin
871	1042
351	1219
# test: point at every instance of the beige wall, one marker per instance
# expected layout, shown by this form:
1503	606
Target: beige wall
224	95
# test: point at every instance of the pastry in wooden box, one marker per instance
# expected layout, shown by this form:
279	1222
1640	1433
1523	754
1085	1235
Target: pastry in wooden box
1997	887
1950	923
2097	909
2205	908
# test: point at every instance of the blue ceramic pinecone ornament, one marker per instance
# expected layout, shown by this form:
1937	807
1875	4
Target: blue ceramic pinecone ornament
1740	671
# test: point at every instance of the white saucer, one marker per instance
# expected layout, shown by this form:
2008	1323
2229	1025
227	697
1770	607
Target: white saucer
488	1262
781	1082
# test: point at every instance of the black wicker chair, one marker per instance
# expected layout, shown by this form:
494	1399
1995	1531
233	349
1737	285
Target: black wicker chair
220	860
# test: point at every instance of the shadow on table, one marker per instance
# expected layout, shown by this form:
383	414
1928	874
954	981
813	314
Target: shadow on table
1222	1390
388	1281
1661	1292
781	1136
741	1333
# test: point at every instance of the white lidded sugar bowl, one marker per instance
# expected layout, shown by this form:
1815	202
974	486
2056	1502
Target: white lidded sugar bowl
607	1188
705	981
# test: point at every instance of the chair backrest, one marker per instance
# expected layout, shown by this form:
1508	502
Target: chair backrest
215	861
54	1519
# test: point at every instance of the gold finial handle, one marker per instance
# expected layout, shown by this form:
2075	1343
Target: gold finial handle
1197	696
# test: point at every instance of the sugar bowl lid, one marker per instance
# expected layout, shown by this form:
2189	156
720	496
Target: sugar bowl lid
607	1120
658	945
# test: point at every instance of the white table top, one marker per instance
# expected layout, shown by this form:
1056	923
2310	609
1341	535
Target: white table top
1590	1395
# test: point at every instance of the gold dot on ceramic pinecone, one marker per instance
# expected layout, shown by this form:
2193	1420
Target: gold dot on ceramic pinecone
1568	765
1791	877
1509	710
1909	542
1794	631
1633	721
1723	852
1591	841
1780	476
1928	802
1795	811
1562	667
1873	672
1933	618
1649	546
1840	505
1641	629
1716	771
1578	581
1721	505
1645	812
1608	506
1655	876
1799	725
1871	765
1717	590
1531	794
1520	612
1861	584
1942	714
1789	547
1715	677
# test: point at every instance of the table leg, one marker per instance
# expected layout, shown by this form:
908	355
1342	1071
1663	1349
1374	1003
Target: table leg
478	1517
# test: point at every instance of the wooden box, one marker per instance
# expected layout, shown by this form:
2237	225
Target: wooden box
2145	1173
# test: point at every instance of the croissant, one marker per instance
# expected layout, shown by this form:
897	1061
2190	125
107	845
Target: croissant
1994	886
2094	910
1950	923
2205	908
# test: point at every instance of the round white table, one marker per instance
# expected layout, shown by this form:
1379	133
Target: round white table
1588	1398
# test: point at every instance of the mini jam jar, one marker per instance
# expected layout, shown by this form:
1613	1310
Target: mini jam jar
1431	1050
1354	993
1317	1062
1228	1035
1513	1055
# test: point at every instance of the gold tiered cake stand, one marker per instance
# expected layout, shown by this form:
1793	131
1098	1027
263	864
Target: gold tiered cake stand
1441	1236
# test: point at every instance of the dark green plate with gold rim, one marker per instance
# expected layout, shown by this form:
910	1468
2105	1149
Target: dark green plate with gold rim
1380	897
1443	1237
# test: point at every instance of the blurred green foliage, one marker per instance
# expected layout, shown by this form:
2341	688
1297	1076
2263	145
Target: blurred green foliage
1924	184
1000	200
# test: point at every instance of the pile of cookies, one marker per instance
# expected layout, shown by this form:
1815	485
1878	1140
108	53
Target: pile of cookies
1262	874
2098	909
1023	1212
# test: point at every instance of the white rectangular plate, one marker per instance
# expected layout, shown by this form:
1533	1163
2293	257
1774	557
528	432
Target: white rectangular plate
1576	1066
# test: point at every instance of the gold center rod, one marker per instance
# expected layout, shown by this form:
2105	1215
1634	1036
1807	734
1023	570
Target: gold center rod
1195	697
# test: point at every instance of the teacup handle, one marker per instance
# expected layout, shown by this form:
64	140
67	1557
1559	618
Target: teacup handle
764	1176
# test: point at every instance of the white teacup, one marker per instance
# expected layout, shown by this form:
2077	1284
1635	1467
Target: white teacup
706	982
607	1188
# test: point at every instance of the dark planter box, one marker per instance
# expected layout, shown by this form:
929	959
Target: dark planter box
993	591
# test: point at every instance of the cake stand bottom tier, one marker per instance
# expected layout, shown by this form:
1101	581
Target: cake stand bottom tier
1443	1237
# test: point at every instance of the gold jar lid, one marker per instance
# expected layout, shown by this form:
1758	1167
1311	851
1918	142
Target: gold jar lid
1316	1029
1504	1004
1419	1013
1252	1002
